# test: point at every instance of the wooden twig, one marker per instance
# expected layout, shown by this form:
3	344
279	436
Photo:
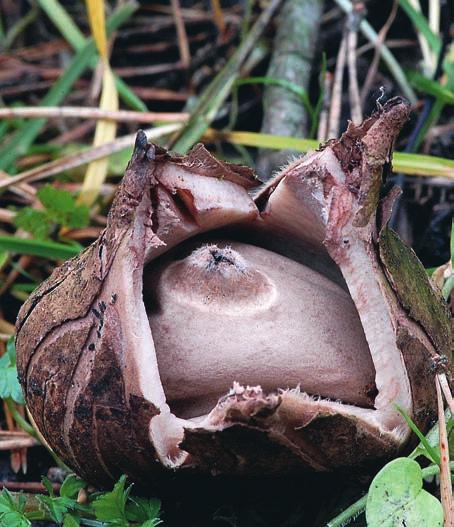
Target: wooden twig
183	45
28	486
82	112
336	97
445	471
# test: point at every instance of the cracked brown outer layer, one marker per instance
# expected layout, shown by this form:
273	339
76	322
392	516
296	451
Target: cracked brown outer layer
91	381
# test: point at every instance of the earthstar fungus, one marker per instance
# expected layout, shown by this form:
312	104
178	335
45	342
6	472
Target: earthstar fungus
226	327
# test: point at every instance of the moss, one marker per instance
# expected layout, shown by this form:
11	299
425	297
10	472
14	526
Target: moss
411	284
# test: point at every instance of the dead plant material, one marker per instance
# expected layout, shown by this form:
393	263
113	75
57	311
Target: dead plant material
161	345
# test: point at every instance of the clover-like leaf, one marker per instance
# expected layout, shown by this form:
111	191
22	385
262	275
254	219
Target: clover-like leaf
396	498
9	384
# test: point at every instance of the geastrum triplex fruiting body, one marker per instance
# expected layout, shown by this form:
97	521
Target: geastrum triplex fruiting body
225	327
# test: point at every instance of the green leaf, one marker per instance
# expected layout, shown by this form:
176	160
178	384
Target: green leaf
430	450
110	507
396	498
70	521
33	221
71	486
431	87
45	249
9	384
55	199
143	509
61	207
57	507
12	511
8	519
151	523
421	24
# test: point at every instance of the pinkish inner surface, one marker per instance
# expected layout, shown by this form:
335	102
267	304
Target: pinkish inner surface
236	312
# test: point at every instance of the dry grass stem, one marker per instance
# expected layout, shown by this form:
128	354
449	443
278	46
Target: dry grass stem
183	45
336	96
82	112
322	134
353	88
218	16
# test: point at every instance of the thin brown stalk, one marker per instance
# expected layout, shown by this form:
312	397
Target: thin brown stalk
336	99
322	134
183	45
15	455
18	443
445	472
375	61
84	157
27	486
23	262
160	94
218	16
352	42
6	327
81	112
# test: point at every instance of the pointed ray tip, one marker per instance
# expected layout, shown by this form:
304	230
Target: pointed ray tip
141	144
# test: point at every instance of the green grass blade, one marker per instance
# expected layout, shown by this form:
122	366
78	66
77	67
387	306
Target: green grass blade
27	133
299	91
44	249
72	34
431	87
64	23
421	24
412	164
422	438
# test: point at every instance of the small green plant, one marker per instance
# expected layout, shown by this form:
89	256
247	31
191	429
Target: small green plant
396	495
60	209
115	508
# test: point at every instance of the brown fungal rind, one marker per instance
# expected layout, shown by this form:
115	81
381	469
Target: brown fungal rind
86	355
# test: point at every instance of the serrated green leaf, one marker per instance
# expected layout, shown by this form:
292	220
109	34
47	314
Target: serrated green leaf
55	199
33	221
12	511
151	523
9	384
396	498
48	486
57	507
110	507
78	218
70	521
71	486
142	509
16	519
